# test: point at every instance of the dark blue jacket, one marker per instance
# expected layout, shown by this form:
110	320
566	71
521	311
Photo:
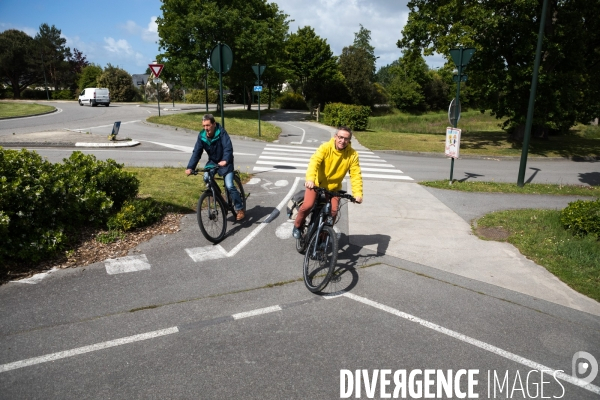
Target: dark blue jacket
218	148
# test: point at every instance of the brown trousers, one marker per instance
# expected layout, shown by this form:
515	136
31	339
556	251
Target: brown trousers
310	196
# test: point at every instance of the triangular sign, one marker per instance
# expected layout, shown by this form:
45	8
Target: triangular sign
156	69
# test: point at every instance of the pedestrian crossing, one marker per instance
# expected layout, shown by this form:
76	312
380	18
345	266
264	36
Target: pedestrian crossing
294	159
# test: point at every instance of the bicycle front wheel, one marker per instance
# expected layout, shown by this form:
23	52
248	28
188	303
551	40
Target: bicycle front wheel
211	217
320	259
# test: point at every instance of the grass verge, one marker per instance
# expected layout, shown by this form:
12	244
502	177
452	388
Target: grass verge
14	109
539	235
172	187
480	136
530	188
237	123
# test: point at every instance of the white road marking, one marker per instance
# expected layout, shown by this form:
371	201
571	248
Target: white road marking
253	181
284	158
259	311
86	349
37	278
284	231
282	183
273	169
477	343
303	132
185	149
269	218
206	253
403	177
126	264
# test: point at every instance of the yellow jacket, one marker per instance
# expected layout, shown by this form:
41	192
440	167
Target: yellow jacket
328	167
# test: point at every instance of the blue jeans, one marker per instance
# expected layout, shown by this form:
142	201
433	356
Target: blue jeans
233	192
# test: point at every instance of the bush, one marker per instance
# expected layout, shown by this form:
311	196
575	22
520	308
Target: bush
292	101
582	217
196	96
354	117
42	204
136	213
33	94
63	95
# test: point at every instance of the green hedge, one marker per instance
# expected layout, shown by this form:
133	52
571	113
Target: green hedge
199	96
354	117
582	217
43	204
292	101
136	213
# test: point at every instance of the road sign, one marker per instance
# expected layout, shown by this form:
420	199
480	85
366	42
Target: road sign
453	118
463	78
227	55
258	70
461	58
156	69
452	143
258	83
258	88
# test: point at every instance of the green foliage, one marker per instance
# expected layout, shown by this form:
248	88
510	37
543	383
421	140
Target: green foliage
354	117
136	213
582	217
292	101
62	95
34	94
110	237
119	83
44	202
505	36
199	96
311	63
89	77
18	61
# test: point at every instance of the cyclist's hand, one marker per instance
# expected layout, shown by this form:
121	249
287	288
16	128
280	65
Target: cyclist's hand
222	163
309	184
358	200
188	171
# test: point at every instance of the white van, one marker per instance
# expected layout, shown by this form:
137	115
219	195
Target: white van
94	96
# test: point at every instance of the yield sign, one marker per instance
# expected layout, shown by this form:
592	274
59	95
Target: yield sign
156	69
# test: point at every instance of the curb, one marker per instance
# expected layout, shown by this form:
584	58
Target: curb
129	143
30	115
63	144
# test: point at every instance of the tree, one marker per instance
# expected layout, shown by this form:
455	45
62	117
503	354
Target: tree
357	66
89	76
18	64
254	30
119	83
311	63
362	40
504	34
55	55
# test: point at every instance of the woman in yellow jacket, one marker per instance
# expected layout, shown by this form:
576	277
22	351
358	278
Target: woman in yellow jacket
327	169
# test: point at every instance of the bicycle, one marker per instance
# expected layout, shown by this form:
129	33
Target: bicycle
213	206
318	241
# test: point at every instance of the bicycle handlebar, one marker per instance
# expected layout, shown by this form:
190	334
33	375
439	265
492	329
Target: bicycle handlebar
205	169
342	193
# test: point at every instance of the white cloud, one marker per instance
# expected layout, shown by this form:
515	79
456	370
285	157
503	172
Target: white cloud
148	34
117	46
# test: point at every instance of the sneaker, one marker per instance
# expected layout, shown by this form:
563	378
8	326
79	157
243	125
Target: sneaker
296	233
240	215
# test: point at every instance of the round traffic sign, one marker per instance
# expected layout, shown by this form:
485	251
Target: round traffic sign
453	118
226	56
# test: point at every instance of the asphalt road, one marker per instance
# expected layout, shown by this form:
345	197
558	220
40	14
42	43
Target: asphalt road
181	318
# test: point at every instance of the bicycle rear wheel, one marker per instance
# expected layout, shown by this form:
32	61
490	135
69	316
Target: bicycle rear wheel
320	259
211	217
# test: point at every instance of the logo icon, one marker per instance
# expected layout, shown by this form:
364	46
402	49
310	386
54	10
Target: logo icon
584	367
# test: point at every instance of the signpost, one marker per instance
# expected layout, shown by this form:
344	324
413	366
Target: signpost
461	58
156	70
258	71
115	130
221	59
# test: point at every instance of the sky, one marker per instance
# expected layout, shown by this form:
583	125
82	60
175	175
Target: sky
124	33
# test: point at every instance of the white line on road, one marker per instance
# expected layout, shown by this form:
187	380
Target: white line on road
102	126
126	264
86	349
482	345
259	311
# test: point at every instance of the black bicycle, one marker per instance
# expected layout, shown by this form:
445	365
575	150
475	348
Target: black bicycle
319	242
213	206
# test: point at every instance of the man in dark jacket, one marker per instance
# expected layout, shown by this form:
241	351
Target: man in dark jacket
216	142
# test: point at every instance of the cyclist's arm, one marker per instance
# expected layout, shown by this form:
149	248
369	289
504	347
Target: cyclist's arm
196	154
356	179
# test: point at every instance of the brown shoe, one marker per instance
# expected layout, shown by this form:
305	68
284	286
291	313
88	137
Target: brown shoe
240	215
